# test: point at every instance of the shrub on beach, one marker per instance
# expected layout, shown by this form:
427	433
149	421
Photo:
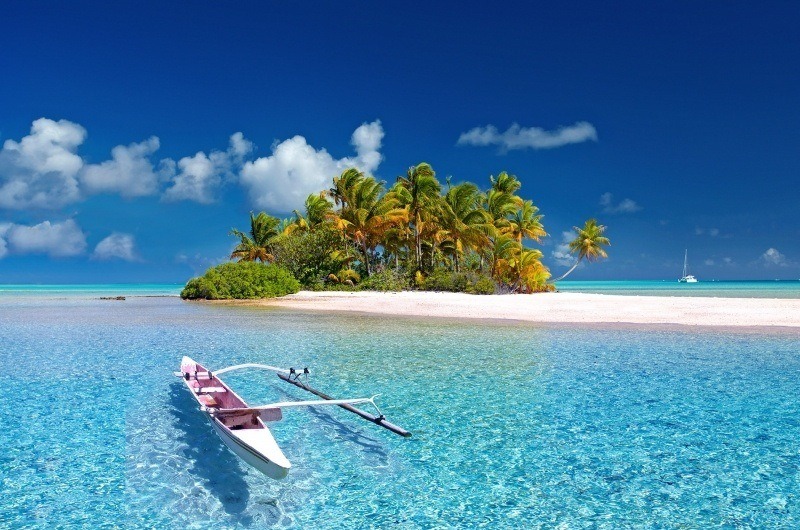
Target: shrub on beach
310	256
241	280
460	282
386	280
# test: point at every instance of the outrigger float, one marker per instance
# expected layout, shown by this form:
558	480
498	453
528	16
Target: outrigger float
242	427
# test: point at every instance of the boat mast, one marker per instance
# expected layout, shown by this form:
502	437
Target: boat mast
685	262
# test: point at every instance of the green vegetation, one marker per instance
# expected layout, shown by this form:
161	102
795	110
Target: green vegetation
460	282
387	280
241	280
417	234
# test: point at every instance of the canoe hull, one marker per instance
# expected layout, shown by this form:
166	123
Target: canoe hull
247	453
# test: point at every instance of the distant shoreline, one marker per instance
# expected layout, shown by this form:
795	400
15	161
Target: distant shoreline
550	307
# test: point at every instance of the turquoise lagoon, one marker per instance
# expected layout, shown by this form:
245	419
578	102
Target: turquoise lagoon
719	289
515	426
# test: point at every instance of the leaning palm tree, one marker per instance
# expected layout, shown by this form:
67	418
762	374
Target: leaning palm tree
418	191
258	244
588	244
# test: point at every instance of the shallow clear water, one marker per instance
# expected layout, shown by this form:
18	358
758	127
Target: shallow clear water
720	289
90	290
514	426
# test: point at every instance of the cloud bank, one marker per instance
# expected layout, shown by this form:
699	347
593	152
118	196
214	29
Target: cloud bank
43	170
130	173
282	181
201	175
517	137
55	239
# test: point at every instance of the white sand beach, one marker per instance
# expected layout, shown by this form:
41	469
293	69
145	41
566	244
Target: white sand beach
555	307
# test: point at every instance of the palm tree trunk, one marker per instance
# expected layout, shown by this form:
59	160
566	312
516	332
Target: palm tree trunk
417	245
366	256
568	272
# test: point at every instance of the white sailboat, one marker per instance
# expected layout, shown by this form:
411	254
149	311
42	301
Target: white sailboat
687	278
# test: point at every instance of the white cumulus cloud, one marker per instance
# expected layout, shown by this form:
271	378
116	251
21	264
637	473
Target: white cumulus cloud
199	176
40	171
44	169
54	239
624	206
282	181
772	257
116	246
561	253
517	137
129	173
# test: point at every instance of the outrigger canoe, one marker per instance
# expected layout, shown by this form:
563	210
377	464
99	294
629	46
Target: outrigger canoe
242	427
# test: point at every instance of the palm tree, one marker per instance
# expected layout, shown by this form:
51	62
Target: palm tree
500	203
418	191
368	216
256	245
318	209
525	222
588	244
462	221
505	183
502	252
532	274
344	184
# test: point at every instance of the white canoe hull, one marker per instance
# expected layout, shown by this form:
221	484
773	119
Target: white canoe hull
251	441
276	468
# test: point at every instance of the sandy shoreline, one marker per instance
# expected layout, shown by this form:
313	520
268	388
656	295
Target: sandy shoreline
554	307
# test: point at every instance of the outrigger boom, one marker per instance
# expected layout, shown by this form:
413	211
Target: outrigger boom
312	403
291	376
380	419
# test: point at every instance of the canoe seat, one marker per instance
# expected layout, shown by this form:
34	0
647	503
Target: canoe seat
240	420
207	400
210	390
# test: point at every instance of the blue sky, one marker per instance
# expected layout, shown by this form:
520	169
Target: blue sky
134	137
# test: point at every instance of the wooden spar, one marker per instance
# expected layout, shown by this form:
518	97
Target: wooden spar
366	415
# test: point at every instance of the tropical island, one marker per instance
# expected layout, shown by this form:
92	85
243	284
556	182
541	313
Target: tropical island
416	235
